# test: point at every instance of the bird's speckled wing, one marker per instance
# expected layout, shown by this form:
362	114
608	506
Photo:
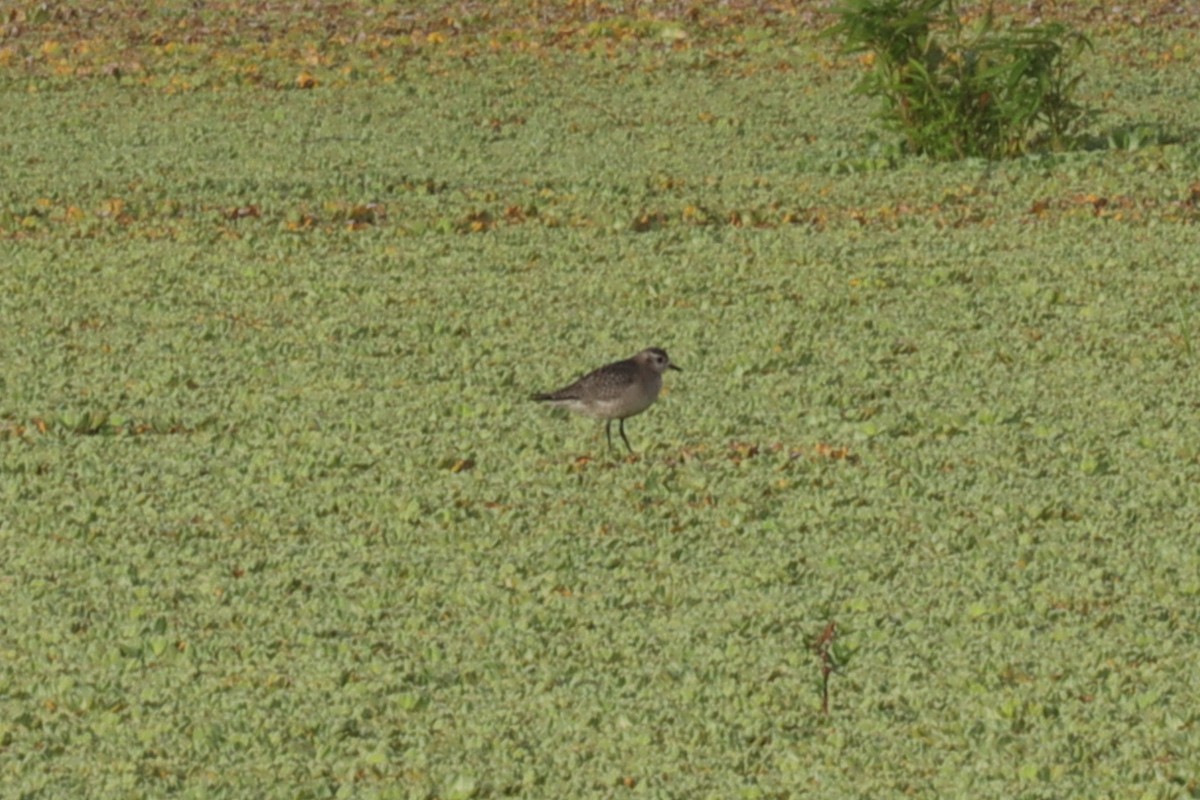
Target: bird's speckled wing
606	383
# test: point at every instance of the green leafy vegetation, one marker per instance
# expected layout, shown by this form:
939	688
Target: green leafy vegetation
277	519
954	92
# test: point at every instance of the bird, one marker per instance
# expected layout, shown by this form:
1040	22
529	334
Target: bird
615	391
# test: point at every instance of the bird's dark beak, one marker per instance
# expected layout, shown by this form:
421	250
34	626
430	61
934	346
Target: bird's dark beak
672	366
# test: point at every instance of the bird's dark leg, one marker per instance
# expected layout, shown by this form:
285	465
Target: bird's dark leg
608	433
623	436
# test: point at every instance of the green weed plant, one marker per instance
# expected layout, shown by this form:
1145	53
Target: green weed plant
955	91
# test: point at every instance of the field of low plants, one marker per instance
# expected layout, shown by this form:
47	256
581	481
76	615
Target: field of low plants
919	518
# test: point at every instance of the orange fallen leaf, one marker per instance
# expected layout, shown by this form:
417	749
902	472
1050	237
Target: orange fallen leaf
303	223
834	453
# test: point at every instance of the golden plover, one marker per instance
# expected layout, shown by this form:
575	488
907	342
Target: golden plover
615	391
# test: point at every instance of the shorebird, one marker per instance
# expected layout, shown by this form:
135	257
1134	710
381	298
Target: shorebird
615	391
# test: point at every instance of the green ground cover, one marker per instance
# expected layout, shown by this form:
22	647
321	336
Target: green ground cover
278	520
